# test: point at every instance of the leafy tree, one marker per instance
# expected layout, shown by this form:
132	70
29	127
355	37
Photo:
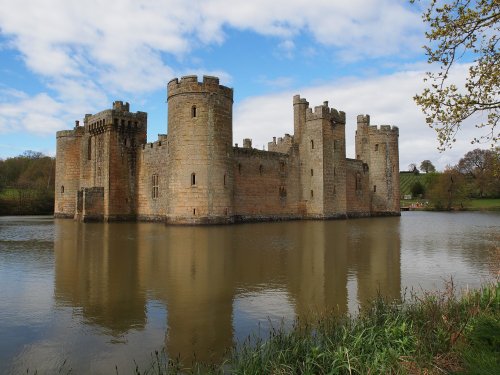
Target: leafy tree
417	189
468	30
483	169
413	168
30	154
427	166
447	190
31	177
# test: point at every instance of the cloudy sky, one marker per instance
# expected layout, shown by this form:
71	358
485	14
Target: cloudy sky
61	59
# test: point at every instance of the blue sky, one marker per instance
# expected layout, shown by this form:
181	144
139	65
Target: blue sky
61	59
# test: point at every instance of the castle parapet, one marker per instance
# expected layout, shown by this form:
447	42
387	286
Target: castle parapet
298	100
283	144
383	129
119	118
119	106
363	119
247	143
69	133
190	85
325	112
364	123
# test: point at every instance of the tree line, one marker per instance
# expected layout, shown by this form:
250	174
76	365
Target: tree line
27	184
476	175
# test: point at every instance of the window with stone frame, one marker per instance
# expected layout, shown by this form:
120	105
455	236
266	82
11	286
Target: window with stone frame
155	186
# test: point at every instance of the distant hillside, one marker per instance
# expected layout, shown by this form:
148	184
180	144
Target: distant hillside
407	179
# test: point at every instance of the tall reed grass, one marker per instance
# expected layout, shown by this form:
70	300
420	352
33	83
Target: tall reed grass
431	333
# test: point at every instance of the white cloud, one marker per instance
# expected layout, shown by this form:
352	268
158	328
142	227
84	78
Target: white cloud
127	38
37	114
388	99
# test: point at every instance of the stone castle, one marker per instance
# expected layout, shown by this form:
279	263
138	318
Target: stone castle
106	170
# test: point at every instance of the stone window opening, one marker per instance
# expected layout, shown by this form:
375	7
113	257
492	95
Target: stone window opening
193	111
225	211
312	194
194	211
89	149
358	181
225	180
376	147
193	179
155	186
312	144
282	166
62	189
239	168
312	172
261	169
374	188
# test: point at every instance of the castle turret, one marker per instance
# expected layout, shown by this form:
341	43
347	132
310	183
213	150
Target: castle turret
200	146
67	174
300	106
378	147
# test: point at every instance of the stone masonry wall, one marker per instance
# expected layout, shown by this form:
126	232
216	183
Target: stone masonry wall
358	194
152	181
67	176
265	185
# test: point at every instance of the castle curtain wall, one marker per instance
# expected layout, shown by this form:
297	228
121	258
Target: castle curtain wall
194	175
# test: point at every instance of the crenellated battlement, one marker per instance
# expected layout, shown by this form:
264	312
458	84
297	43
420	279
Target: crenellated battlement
298	100
119	118
191	85
364	126
383	129
154	145
325	112
119	106
283	144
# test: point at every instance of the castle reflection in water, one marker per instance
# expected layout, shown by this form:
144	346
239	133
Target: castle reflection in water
111	271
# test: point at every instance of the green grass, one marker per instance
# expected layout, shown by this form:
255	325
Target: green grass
437	333
484	204
9	193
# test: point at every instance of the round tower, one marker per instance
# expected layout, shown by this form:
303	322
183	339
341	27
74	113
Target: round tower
67	175
200	153
378	147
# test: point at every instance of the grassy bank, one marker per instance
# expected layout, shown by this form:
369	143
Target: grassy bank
437	333
26	202
483	204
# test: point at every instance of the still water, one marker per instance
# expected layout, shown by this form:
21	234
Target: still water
104	295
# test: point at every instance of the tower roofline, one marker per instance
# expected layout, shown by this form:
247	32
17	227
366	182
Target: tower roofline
191	85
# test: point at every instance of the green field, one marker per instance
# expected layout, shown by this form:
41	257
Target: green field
407	179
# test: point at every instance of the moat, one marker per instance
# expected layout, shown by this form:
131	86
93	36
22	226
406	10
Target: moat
100	295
